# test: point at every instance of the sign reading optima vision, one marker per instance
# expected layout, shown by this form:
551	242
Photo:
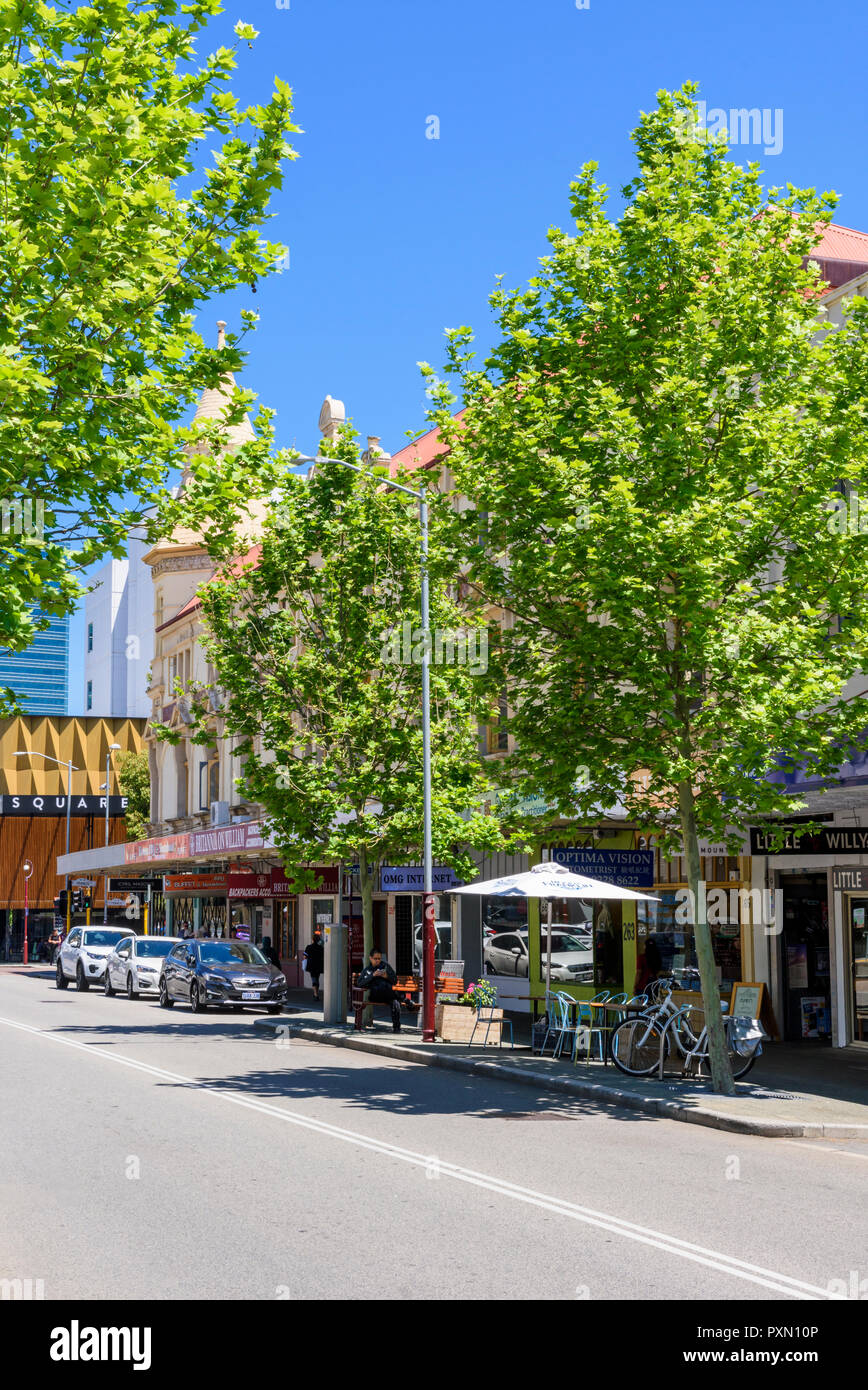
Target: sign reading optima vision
56	805
627	868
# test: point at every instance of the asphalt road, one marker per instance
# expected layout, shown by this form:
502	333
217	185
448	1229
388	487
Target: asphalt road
155	1155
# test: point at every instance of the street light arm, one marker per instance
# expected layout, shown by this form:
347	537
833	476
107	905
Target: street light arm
61	762
357	468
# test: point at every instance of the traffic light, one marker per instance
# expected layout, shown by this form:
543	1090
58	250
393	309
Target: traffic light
60	902
77	900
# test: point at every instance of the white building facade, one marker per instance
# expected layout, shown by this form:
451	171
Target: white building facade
119	637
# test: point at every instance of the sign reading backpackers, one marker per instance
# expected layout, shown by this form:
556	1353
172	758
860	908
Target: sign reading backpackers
627	868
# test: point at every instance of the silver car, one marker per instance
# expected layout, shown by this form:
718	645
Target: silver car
134	965
572	954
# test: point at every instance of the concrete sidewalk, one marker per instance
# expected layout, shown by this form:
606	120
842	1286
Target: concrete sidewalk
792	1092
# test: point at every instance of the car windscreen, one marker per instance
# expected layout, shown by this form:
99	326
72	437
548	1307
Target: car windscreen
229	952
561	941
153	946
104	937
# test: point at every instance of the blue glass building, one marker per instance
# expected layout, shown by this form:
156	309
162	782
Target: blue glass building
39	675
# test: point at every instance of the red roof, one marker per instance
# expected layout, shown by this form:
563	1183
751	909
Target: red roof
841	253
423	452
242	563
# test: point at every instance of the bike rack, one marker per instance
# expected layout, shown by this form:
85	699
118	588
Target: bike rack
684	1057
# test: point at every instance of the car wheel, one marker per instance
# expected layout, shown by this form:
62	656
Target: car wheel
489	968
197	1003
61	981
81	983
107	984
132	993
165	1001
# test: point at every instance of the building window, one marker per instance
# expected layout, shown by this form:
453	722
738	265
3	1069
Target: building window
497	735
90	637
209	779
90	695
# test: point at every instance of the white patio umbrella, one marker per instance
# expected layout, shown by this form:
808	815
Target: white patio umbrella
552	881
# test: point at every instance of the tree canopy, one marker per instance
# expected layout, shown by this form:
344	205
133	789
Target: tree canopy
656	443
134	187
317	648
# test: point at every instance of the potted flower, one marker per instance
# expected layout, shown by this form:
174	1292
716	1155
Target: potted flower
453	1021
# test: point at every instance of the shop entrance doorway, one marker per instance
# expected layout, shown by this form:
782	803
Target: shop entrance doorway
857	915
805	960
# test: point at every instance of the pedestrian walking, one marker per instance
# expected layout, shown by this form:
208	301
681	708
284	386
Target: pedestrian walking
313	962
269	952
53	945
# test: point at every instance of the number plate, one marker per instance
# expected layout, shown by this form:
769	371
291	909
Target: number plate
251	994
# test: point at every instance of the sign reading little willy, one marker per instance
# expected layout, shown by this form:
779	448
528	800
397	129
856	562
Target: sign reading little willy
831	839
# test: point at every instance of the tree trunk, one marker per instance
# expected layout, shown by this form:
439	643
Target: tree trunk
721	1071
366	878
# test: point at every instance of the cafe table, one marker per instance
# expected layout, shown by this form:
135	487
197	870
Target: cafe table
601	1008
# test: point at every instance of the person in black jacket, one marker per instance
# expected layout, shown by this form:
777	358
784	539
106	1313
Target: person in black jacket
314	954
377	978
269	952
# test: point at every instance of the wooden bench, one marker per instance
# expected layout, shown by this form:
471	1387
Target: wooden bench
405	984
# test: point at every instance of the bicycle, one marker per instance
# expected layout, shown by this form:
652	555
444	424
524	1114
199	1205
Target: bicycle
639	1043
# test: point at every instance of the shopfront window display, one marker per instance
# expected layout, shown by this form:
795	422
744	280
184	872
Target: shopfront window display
573	940
442	929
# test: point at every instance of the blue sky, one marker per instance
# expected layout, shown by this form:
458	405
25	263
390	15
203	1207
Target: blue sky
394	236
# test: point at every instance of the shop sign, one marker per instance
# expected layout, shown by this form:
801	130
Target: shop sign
249	885
56	806
410	878
831	839
161	847
326	881
227	839
134	885
214	885
850	880
626	868
718	849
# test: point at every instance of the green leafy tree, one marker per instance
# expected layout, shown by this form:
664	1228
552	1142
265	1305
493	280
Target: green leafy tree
659	443
134	780
317	648
109	247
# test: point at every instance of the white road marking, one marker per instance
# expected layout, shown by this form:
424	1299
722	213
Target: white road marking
629	1230
819	1148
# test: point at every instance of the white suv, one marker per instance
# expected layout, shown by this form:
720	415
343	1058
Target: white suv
134	964
84	953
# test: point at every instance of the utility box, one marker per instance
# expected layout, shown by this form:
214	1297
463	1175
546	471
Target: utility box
334	940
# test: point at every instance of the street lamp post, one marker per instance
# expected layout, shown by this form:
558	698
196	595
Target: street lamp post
27	870
112	748
70	769
421	497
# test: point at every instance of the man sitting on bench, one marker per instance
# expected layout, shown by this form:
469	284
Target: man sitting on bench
378	977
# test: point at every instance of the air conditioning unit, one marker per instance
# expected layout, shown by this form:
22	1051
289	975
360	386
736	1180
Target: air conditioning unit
219	812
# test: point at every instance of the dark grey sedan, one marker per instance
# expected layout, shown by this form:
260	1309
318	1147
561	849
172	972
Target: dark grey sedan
228	974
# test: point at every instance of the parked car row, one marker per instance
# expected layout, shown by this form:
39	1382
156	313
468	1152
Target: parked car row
226	974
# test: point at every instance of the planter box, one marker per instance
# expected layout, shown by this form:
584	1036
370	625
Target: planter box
454	1023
